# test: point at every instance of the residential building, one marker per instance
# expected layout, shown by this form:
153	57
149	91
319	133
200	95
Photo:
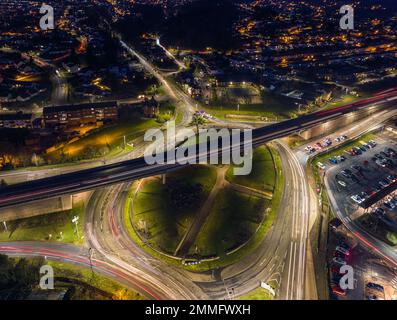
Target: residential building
16	120
80	114
151	108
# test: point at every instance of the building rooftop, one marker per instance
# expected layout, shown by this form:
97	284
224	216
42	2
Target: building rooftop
15	116
75	107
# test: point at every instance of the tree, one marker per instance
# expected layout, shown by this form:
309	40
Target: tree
3	183
198	121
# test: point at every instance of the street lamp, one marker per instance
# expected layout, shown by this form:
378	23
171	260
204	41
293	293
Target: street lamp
75	220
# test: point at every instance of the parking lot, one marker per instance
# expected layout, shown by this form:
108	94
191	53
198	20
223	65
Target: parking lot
357	173
374	279
367	171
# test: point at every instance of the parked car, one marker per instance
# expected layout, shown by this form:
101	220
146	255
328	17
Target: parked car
336	289
357	151
357	199
327	142
338	260
333	160
372	143
380	163
346	173
342	250
389	205
365	146
342	183
383	183
321	166
375	286
390	151
384	154
379	212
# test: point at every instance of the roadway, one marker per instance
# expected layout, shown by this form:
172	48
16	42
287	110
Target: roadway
377	246
137	168
280	258
353	131
283	262
280	255
59	96
284	257
106	235
60	87
181	65
185	105
81	256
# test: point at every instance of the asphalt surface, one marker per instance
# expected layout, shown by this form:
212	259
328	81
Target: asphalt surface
281	257
109	240
377	246
352	131
60	89
278	257
81	256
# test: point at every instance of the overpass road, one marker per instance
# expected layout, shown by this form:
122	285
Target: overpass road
138	168
280	257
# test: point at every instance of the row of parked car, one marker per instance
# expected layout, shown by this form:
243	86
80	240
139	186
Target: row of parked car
355	151
374	291
324	144
337	159
383	158
340	255
389	204
382	184
348	174
359	150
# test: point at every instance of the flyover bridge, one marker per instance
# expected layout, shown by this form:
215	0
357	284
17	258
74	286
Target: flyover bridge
130	170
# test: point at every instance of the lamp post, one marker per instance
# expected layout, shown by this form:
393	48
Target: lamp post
75	220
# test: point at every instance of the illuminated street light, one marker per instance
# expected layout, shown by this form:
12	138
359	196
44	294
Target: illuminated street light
75	220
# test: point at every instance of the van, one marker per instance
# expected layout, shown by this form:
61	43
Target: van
320	165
